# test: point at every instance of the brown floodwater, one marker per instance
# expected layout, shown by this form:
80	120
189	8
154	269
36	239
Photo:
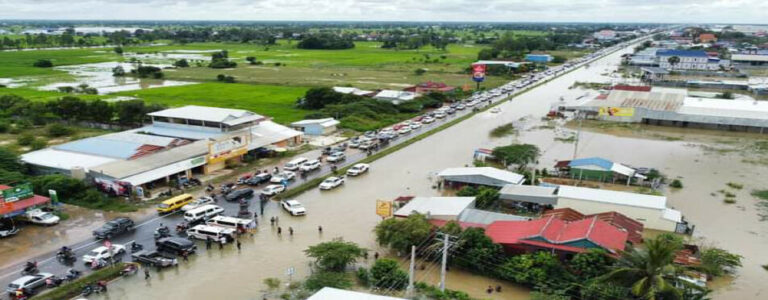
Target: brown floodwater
348	212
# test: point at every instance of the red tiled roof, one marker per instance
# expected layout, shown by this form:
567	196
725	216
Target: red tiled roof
566	214
562	164
632	88
558	232
633	227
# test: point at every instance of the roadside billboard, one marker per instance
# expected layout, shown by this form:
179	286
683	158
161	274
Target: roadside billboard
18	192
478	72
384	208
617	111
225	148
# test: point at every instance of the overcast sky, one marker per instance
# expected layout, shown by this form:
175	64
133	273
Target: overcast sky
697	11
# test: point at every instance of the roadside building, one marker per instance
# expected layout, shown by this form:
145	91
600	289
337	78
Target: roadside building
557	236
647	209
482	154
395	97
479	176
688	60
329	293
438	208
539	58
633	228
353	91
605	35
19	199
428	87
707	38
539	195
598	169
749	60
316	126
652	74
179	144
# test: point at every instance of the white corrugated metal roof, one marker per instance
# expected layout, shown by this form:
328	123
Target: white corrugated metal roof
612	197
210	114
529	190
507	176
672	215
328	293
438	206
622	169
268	132
394	94
327	122
65	160
120	169
725	108
749	57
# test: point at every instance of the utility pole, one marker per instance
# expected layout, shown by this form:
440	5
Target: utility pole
578	135
446	245
409	290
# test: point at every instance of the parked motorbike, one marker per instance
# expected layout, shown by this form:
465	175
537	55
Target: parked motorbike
72	274
93	288
130	269
53	281
162	232
182	227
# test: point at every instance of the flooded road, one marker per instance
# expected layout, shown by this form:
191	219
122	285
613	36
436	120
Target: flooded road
349	211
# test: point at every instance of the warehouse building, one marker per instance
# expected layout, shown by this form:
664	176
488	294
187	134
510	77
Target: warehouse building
479	176
179	144
667	106
598	169
438	208
316	126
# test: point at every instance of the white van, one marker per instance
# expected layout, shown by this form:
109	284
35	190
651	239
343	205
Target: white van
203	232
229	222
294	164
202	213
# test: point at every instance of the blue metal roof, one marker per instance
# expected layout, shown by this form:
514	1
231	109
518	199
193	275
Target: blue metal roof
686	53
102	147
592	161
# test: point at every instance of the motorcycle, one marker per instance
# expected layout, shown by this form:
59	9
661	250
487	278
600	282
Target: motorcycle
162	232
182	227
30	269
93	288
53	282
130	269
72	274
136	247
66	255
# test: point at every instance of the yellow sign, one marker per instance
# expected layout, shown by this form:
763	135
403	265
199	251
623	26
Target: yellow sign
617	111
384	208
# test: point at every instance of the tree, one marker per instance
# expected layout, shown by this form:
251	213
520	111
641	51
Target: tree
475	250
100	111
537	269
467	191
118	50
317	98
558	59
673	60
251	59
401	234
181	63
66	187
649	273
386	274
220	60
9	160
487	198
70	108
58	130
590	264
130	112
25	139
43	63
420	71
335	255
519	154
118	71
717	262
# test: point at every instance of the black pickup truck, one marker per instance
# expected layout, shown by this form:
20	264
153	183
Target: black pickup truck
154	259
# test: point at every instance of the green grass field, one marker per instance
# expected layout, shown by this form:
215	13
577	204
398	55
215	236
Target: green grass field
19	63
273	101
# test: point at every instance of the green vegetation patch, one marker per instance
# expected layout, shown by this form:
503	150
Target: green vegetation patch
503	130
72	289
277	102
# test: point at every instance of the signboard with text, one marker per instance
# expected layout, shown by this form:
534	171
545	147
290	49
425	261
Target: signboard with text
478	73
229	147
384	208
617	111
18	192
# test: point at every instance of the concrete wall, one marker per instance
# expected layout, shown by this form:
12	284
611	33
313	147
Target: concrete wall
651	218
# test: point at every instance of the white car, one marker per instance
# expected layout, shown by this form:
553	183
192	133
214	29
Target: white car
103	253
336	157
357	169
496	110
404	130
415	125
294	207
28	283
440	115
310	165
331	183
198	203
428	120
37	216
273	189
283	176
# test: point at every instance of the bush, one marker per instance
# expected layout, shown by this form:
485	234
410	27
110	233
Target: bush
4	127
25	139
43	63
182	63
420	71
72	289
363	277
58	130
319	280
386	273
38	144
676	184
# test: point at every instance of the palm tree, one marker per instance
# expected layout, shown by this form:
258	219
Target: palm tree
649	273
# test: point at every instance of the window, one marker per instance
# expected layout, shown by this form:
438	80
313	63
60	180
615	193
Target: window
195	122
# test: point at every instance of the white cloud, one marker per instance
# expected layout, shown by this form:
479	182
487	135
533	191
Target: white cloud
696	11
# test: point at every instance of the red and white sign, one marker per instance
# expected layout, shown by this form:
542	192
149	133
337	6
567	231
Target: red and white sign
478	72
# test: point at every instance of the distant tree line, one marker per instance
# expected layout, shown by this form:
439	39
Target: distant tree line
325	41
